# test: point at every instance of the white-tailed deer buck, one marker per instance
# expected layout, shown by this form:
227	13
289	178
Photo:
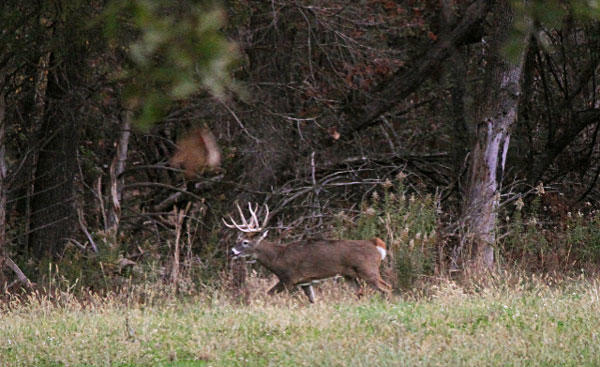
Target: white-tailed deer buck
300	264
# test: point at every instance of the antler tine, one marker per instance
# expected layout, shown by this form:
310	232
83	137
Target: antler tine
266	216
256	217
227	224
237	226
245	226
242	217
253	219
233	223
253	225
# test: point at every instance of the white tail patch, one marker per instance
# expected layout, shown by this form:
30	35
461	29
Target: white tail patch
382	252
380	245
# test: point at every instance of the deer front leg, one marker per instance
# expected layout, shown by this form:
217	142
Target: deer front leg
310	293
277	288
375	281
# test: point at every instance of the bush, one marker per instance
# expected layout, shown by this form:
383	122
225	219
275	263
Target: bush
537	240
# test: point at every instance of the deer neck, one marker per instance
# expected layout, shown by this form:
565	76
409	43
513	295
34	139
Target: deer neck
267	254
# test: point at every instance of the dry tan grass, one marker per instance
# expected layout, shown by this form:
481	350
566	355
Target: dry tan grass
515	321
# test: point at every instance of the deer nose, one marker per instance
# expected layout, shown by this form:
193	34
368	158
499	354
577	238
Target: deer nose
235	252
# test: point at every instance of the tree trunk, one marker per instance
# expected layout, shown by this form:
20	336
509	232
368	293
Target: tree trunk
488	156
41	86
116	170
3	190
53	213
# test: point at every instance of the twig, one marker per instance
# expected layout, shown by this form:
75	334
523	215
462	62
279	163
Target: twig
175	197
84	229
239	122
312	166
158	184
180	214
76	243
99	196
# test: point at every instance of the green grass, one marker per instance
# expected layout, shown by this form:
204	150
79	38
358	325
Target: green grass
526	324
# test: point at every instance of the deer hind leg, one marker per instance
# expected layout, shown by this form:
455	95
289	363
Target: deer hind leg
385	284
374	280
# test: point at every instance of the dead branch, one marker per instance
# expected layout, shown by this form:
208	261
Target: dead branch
21	277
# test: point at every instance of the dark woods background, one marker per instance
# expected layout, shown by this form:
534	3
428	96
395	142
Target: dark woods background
350	119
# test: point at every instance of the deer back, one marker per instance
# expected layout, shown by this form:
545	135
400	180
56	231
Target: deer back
312	260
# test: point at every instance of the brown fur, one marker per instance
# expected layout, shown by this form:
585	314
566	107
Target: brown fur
196	151
300	263
379	242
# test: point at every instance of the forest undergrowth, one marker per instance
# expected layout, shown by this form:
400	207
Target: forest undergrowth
537	235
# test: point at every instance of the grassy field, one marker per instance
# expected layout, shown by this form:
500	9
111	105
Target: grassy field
528	323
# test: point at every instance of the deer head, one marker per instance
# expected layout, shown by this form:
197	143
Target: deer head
250	235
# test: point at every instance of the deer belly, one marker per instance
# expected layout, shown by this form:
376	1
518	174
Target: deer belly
316	281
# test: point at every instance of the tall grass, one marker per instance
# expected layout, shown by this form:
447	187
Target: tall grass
144	319
514	322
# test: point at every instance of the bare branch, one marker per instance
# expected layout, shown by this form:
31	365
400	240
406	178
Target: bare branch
85	230
405	81
20	275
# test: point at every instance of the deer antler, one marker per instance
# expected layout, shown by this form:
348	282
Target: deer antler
245	226
253	225
266	216
255	219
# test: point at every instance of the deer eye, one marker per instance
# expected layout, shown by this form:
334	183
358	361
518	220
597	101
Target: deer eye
245	243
